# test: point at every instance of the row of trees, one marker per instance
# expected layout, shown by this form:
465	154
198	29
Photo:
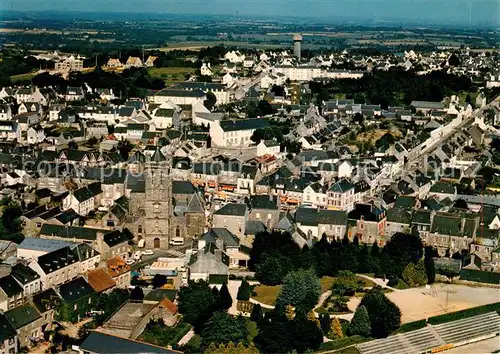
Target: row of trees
275	254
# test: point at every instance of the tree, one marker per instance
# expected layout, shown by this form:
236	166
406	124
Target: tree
360	323
231	349
324	320
399	251
158	281
10	218
335	329
257	313
384	315
273	269
300	289
430	252
415	275
453	60
375	251
137	294
197	303
225	300
461	204
244	291
223	328
211	100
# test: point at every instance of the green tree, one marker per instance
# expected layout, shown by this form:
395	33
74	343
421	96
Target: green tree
10	218
360	323
384	315
300	289
399	251
244	291
273	269
415	275
225	300
211	100
137	294
196	303
430	252
223	328
257	313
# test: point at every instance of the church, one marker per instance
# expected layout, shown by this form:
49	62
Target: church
157	216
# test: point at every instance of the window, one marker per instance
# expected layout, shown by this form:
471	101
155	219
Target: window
12	340
257	215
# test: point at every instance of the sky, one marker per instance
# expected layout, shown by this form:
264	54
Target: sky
457	12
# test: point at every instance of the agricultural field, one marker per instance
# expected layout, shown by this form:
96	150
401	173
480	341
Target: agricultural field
23	77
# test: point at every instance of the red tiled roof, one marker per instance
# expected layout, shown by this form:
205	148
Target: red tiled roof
99	280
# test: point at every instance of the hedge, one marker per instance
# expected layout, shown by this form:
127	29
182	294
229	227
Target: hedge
453	316
341	343
411	326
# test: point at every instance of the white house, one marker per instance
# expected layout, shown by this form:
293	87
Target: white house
268	147
315	195
74	94
165	117
35	135
206	70
220	91
228	80
84	199
248	62
234	57
10	130
5	112
180	97
235	133
54	110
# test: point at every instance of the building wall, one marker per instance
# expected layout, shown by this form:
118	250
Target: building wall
235	224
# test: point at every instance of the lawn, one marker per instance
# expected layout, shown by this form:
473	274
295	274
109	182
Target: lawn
162	335
326	283
266	294
342	343
171	74
23	77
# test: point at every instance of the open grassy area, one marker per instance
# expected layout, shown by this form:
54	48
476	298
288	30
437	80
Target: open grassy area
23	77
326	283
373	135
342	343
267	294
162	335
171	74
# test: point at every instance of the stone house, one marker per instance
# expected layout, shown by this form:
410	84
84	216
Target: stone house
368	223
119	271
265	208
46	303
8	336
398	220
232	216
208	261
27	322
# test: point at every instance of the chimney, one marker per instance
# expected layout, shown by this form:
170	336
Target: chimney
100	242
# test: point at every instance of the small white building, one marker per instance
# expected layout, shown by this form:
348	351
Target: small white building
206	70
235	133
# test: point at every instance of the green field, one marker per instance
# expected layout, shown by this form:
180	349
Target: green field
23	77
171	74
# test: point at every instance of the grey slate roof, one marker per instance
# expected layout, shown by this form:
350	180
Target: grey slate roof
75	290
307	216
267	202
22	315
233	209
244	124
98	342
230	240
57	259
10	286
6	329
332	217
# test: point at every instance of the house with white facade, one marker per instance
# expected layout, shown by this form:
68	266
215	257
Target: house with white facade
220	91
341	195
84	199
35	134
206	70
179	97
235	133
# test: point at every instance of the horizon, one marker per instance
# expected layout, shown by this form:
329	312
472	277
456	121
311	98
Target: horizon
457	13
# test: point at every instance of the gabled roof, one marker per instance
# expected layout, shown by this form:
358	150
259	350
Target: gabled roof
421	217
307	216
232	209
24	274
230	240
398	215
443	187
115	238
244	124
10	286
57	259
6	329
341	186
195	204
75	290
267	202
183	187
46	300
22	315
100	280
332	217
446	224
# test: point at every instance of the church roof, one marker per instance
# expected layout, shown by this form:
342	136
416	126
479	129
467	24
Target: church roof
158	156
195	205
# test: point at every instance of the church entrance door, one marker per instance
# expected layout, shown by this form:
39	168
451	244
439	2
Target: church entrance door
156	242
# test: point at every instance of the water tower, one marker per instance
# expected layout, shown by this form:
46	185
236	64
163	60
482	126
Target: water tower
297	39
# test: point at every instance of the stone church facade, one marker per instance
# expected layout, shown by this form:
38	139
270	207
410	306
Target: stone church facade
152	215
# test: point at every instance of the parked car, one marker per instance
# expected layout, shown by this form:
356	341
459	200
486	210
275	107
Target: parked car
130	261
147	253
137	255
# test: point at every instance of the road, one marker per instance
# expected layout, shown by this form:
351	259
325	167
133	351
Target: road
491	345
415	161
